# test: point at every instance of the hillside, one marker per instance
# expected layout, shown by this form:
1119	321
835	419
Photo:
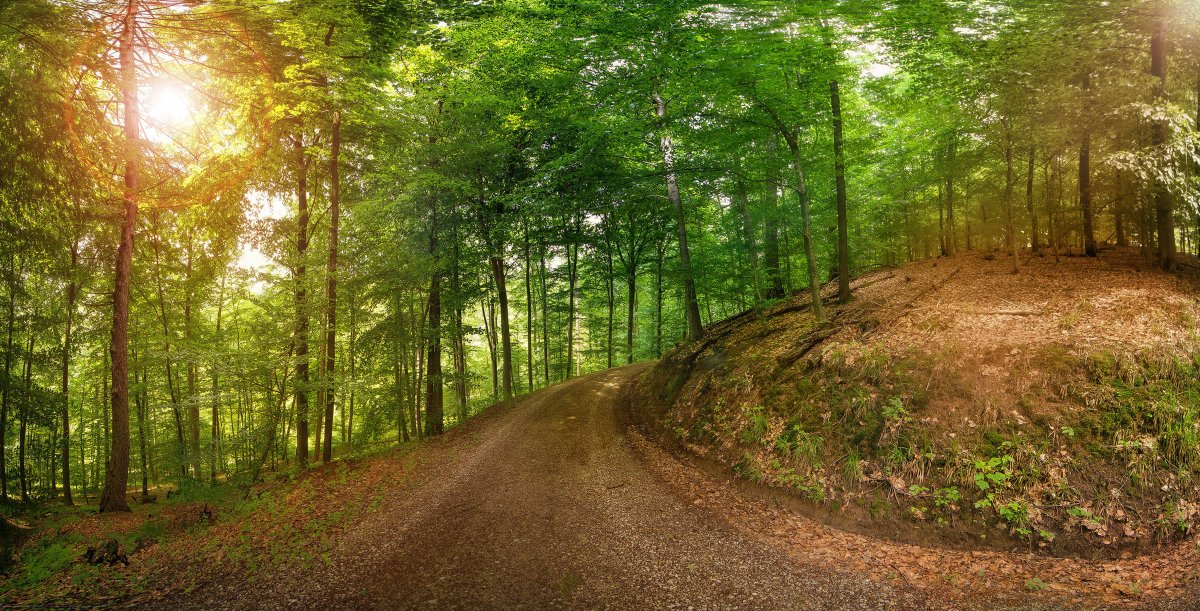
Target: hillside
957	403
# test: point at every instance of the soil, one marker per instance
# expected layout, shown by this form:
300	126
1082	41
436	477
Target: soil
558	502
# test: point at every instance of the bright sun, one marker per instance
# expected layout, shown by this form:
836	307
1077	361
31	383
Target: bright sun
168	106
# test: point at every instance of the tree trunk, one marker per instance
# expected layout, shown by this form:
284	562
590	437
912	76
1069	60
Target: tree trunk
215	434
839	172
774	288
1033	219
498	276
611	305
24	414
691	303
331	286
8	349
1085	185
1009	180
572	273
528	314
193	405
300	386
116	476
545	315
140	405
814	282
951	233
72	288
1163	206
433	368
743	205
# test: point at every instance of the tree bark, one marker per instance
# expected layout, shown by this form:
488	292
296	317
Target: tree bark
116	476
839	172
1163	206
331	286
951	233
528	314
1085	185
1033	219
300	386
72	289
499	277
691	303
24	414
1009	180
8	349
814	282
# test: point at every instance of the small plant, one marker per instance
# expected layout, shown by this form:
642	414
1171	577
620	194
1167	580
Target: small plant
945	497
757	427
1034	584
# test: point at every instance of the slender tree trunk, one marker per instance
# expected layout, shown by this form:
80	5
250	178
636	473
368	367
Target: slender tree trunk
331	286
72	288
8	350
215	434
658	306
24	414
630	309
572	272
1163	206
116	476
1009	180
951	233
839	171
814	281
1033	219
301	333
433	370
498	276
1085	185
193	405
691	303
611	305
774	288
545	315
528	314
743	205
140	405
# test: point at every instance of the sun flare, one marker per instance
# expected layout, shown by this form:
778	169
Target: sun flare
169	106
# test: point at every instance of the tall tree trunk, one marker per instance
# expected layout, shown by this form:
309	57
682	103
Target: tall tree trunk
1033	219
498	276
839	172
331	285
8	350
1085	180
658	301
301	332
116	476
215	434
72	288
193	404
1009	180
24	414
774	288
545	315
951	233
140	406
630	309
572	273
1163	207
528	314
743	205
814	281
611	305
691	303
433	370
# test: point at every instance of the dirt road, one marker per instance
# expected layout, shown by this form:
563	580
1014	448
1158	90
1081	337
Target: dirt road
551	504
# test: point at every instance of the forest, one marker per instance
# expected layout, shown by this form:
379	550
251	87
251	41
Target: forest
246	238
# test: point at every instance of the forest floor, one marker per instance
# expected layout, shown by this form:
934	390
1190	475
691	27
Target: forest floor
557	501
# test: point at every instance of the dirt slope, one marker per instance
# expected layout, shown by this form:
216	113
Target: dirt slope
955	402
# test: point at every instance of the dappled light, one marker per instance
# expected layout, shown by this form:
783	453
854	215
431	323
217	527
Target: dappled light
522	304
